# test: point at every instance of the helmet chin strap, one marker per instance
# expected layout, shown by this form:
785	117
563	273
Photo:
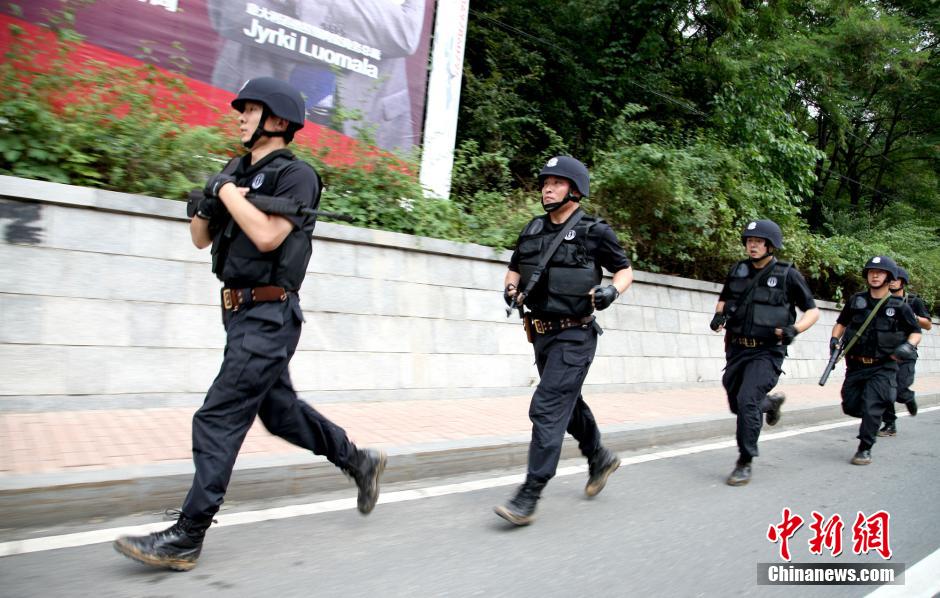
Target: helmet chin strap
767	253
260	131
551	207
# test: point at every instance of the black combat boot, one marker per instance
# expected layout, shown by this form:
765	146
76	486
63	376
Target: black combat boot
863	455
888	430
521	508
776	400
741	474
911	407
600	466
176	547
367	467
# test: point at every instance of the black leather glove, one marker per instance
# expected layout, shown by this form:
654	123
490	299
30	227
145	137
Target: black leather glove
718	320
833	345
604	296
192	202
510	299
788	334
215	183
208	208
905	351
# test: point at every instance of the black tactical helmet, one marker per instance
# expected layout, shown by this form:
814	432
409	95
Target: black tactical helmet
903	276
763	229
279	99
881	262
569	168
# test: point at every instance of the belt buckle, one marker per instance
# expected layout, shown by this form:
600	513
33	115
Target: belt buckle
868	360
227	299
539	326
750	343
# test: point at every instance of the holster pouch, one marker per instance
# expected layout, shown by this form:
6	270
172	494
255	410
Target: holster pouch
527	324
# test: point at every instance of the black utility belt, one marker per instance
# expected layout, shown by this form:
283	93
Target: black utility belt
235	299
545	325
753	342
866	361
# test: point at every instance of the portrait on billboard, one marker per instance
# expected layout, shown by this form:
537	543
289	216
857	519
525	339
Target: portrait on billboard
346	56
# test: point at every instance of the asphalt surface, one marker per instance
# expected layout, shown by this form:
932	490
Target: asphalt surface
668	526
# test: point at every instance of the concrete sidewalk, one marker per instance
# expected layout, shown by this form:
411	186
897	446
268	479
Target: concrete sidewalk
69	465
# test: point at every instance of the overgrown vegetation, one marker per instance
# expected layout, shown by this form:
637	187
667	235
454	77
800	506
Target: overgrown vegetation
694	117
698	115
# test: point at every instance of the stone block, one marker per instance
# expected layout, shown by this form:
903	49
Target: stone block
687	346
25	369
667	320
21	318
684	326
680	299
631	317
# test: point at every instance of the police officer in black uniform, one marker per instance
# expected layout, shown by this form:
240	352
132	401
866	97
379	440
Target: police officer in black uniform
562	327
757	310
871	358
262	260
898	288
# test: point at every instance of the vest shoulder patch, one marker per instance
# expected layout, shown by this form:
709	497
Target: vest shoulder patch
534	227
859	302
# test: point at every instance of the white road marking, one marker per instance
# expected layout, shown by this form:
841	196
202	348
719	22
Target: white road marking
107	535
923	579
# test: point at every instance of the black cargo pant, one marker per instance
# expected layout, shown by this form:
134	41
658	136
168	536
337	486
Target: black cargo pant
254	381
563	359
905	394
750	373
866	393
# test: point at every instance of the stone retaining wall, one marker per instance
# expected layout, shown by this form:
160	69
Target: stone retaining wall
104	301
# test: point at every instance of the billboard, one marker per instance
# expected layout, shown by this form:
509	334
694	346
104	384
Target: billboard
361	64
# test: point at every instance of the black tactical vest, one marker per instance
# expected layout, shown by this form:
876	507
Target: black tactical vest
883	334
570	274
909	299
767	308
236	261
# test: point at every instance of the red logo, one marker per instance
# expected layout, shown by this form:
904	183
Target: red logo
871	534
828	534
784	531
868	533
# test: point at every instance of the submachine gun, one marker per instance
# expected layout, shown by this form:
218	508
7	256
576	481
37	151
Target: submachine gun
833	359
269	205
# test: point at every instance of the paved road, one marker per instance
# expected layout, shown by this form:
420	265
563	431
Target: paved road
665	526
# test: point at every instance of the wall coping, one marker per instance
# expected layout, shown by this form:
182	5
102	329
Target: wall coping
44	192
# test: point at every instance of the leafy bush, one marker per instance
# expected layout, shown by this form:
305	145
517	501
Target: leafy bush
99	126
